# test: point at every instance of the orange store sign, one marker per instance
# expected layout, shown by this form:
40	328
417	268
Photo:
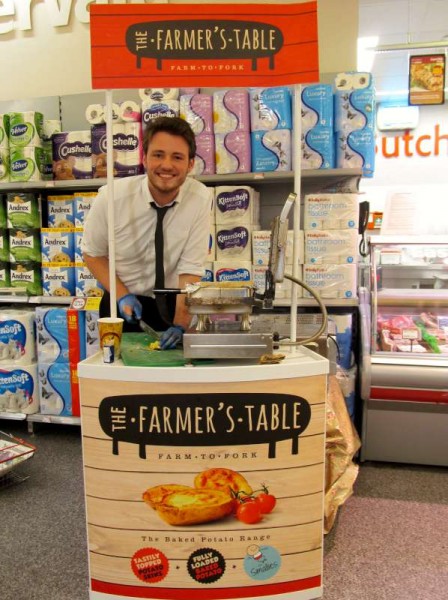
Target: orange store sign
229	45
408	145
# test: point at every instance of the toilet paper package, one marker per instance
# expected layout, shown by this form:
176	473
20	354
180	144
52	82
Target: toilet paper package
282	289
72	155
271	150
58	280
58	389
5	276
236	204
209	274
197	110
356	150
188	90
95	114
317	106
4	131
24	245
232	152
22	210
233	241
130	111
353	80
331	211
331	247
127	149
204	160
233	270
158	94
17	340
270	108
26	275
51	126
152	109
317	149
77	234
4	245
57	245
261	242
354	109
26	128
19	389
60	335
231	111
85	283
26	163
61	212
5	166
92	340
82	203
331	281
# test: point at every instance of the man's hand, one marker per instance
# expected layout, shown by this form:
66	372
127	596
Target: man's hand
171	337
130	308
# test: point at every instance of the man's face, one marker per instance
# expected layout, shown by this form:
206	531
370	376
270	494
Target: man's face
167	165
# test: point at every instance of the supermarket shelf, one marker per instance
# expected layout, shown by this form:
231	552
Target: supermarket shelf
13	416
328	303
55	419
232	178
23	299
409	297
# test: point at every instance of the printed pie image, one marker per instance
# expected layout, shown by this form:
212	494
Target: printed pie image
190	506
224	480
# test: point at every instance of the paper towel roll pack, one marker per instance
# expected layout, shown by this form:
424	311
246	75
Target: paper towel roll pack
331	211
158	94
331	281
204	160
270	108
232	152
317	106
4	130
331	246
317	148
72	155
231	111
19	389
127	149
233	270
233	242
152	109
356	150
197	110
236	204
271	150
354	109
26	128
26	163
17	341
58	280
61	212
56	386
57	245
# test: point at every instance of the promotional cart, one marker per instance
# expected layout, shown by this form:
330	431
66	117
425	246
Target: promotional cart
163	446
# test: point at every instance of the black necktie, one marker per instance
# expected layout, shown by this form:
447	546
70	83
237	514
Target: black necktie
158	242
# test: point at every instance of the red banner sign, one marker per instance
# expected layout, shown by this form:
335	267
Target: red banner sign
229	45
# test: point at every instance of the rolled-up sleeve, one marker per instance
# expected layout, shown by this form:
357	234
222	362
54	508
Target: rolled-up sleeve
195	252
95	236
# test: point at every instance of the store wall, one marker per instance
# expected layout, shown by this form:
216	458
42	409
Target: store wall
46	43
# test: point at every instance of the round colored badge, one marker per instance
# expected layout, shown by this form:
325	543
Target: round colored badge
262	562
150	565
206	565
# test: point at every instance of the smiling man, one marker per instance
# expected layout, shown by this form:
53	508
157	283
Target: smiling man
169	149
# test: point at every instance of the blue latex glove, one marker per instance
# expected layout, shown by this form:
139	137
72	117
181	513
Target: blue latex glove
171	337
130	308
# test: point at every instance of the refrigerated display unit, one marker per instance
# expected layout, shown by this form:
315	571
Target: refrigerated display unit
404	338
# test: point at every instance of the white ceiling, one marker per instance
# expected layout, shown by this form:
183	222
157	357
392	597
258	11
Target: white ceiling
395	22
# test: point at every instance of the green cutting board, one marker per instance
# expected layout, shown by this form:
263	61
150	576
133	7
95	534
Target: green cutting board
135	352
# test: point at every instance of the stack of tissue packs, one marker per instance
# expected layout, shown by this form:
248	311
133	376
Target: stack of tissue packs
331	244
19	391
237	214
271	125
4	148
354	122
26	141
317	140
60	346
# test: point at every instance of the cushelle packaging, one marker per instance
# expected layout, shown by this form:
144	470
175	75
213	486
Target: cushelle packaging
72	155
127	149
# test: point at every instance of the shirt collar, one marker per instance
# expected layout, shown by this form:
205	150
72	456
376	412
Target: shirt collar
148	196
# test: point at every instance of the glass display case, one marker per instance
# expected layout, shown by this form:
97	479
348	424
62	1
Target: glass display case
404	331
